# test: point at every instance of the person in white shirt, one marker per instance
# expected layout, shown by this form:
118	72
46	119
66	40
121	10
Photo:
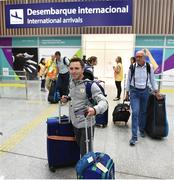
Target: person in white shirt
138	87
62	84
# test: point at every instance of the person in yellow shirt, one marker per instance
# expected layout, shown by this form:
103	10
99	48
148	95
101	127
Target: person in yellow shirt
118	75
42	73
51	71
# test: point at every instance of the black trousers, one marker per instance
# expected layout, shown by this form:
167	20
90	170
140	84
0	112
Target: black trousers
80	135
118	86
43	83
62	84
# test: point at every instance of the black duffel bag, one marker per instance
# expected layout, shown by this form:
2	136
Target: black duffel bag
121	112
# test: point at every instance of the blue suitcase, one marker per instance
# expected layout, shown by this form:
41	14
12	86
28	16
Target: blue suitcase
94	165
93	170
102	119
62	149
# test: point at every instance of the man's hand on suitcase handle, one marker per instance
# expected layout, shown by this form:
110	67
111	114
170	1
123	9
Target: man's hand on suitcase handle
126	96
86	111
158	95
90	111
65	99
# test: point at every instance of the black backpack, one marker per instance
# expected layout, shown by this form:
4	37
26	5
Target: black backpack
88	72
132	69
88	85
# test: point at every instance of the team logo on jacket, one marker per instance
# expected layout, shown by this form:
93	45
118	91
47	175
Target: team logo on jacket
82	90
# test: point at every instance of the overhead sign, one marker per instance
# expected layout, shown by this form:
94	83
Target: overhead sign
149	41
60	41
70	14
170	41
24	41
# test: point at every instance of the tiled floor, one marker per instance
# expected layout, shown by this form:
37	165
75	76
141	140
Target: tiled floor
23	144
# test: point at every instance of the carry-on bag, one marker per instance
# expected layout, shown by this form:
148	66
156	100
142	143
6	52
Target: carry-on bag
121	112
102	119
95	165
156	121
62	148
53	95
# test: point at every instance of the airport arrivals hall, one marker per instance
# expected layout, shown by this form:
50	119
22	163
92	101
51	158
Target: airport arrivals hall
106	67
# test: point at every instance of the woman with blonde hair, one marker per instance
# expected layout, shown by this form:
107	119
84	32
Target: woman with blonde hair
118	75
42	73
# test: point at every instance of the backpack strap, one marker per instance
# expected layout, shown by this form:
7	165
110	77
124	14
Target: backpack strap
148	68
148	71
132	68
88	85
64	61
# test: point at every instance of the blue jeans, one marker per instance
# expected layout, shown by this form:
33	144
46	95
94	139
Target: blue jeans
138	102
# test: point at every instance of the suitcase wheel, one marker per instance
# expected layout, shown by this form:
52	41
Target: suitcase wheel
104	125
101	125
52	169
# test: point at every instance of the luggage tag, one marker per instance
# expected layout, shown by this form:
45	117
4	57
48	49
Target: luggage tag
90	159
102	167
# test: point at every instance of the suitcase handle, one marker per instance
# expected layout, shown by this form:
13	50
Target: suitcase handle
60	121
125	100
87	138
127	107
83	111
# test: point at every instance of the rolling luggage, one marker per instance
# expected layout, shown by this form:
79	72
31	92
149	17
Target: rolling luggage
121	112
95	165
53	95
62	149
156	122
